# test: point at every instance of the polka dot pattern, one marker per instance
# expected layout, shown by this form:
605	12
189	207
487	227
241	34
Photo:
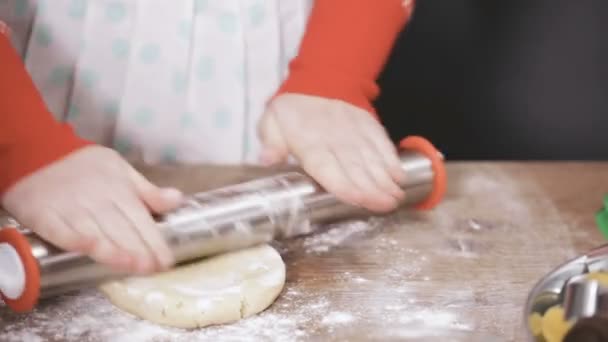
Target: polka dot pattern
116	12
60	76
21	8
77	9
73	112
170	80
144	116
227	22
43	36
257	15
201	5
204	68
149	53
123	145
111	108
222	118
88	78
180	81
169	154
187	120
120	48
184	29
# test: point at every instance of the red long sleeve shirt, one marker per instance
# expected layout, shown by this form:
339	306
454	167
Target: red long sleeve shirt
30	137
345	47
342	52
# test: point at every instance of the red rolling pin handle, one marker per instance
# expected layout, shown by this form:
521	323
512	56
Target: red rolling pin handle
31	292
424	147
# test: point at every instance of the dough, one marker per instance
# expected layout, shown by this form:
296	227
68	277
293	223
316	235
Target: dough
221	289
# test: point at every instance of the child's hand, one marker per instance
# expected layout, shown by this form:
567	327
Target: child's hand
94	202
341	146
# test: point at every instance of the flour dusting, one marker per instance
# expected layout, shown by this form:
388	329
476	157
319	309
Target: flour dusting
337	317
337	234
360	280
439	274
23	336
88	316
300	312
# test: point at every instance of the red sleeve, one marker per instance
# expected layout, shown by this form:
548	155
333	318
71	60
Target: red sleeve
30	137
345	47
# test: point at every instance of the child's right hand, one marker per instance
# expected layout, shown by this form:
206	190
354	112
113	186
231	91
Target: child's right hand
92	201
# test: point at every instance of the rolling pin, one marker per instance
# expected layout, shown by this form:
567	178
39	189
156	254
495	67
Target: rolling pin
208	223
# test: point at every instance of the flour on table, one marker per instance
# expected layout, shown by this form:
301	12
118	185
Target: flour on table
300	313
360	280
394	302
336	235
337	317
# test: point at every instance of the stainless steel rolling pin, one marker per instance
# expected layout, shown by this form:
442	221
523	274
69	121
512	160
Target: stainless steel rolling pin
227	219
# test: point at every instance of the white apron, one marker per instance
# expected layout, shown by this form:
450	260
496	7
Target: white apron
166	81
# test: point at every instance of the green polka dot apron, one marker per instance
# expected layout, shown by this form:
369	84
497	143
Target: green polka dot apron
161	81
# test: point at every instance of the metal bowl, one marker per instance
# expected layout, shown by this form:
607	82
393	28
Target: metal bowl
550	290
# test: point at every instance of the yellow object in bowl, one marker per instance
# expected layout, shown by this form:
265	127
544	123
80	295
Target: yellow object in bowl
535	323
554	325
601	277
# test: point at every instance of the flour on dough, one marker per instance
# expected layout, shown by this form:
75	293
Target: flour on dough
218	290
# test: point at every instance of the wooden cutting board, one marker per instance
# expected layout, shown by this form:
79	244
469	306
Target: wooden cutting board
461	271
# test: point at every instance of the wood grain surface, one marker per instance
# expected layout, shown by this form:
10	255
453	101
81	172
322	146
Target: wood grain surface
458	273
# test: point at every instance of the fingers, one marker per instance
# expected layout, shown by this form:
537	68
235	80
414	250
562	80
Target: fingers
147	231
103	249
93	202
360	167
163	200
323	166
141	222
371	180
63	233
345	174
383	148
376	168
53	228
122	232
353	170
129	224
272	156
275	149
372	163
157	199
118	228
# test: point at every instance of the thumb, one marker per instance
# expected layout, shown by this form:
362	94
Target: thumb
274	146
159	200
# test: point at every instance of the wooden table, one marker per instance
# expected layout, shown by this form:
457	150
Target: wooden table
463	270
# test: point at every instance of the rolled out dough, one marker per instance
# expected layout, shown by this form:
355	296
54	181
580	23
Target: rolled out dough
221	289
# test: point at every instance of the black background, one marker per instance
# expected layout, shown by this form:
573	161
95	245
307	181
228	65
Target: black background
517	79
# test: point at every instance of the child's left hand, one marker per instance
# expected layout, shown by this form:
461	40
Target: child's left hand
343	147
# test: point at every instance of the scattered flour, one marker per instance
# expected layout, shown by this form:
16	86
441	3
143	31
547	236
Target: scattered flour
88	316
23	336
302	312
337	317
474	224
359	280
421	290
336	235
430	318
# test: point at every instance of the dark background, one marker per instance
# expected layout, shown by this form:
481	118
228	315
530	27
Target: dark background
517	79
